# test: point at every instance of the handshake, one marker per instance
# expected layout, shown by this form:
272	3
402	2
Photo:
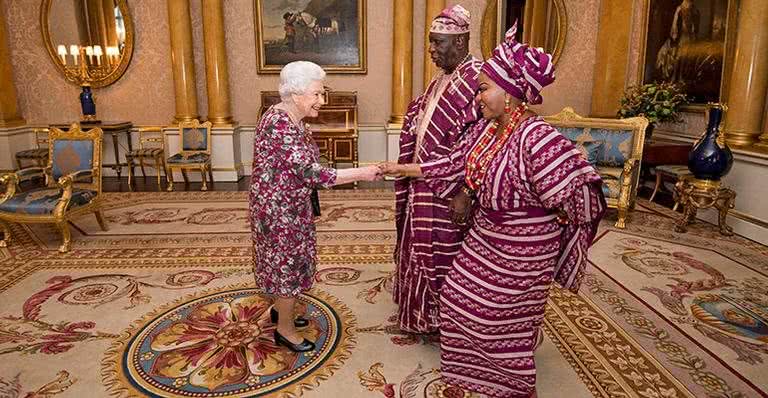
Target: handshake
378	172
392	169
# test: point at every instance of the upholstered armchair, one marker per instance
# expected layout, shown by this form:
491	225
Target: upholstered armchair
195	154
73	185
614	147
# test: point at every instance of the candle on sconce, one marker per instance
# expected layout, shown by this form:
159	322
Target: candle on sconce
97	52
63	53
74	51
113	54
89	53
110	53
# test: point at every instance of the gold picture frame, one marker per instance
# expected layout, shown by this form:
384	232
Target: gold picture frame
726	24
547	22
333	36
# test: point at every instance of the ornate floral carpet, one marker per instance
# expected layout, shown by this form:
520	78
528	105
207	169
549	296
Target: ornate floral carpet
163	304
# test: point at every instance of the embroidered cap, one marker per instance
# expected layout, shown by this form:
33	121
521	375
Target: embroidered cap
452	21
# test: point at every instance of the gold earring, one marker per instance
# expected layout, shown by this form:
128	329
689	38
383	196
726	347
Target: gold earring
507	105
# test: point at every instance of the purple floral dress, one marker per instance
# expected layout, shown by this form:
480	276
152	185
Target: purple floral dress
285	171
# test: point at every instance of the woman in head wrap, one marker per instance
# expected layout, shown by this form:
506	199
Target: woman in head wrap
286	170
533	204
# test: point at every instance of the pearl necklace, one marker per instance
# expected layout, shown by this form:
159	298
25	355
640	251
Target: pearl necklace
297	122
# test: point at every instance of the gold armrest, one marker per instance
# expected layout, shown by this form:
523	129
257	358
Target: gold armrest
80	175
65	184
11	181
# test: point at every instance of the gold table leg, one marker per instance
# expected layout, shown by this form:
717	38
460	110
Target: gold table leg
726	199
697	194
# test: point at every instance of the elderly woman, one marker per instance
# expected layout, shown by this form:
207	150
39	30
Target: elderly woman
535	206
285	173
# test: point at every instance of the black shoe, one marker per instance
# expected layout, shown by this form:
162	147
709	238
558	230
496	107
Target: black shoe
299	322
304	346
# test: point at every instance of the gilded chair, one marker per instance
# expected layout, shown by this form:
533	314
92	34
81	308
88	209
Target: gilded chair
614	147
73	185
151	148
38	156
195	143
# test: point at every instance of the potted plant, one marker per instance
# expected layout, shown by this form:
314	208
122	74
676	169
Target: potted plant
657	102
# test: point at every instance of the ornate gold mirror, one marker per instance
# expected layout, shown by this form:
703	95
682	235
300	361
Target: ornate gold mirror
541	23
89	41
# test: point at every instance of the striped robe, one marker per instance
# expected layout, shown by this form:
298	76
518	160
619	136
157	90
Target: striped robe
492	301
427	240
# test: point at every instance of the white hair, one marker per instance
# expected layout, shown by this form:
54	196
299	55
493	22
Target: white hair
296	77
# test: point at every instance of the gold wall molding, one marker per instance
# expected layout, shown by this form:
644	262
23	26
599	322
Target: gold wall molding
748	218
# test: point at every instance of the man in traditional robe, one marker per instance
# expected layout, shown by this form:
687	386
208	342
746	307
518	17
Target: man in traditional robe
434	123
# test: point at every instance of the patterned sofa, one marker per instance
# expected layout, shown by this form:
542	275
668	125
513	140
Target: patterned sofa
615	147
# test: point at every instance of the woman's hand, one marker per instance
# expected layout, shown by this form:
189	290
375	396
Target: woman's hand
367	173
370	173
390	168
460	207
400	170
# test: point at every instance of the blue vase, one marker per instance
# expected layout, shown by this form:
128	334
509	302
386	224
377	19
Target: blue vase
710	158
87	104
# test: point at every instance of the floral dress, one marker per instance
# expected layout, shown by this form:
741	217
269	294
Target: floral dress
285	171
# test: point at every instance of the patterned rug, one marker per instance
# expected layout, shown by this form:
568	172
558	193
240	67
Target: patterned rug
163	304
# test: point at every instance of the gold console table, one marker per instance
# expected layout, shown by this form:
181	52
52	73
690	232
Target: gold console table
694	194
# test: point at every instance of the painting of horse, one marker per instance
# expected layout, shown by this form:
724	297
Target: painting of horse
330	33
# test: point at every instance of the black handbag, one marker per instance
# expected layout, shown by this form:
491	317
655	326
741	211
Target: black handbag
315	199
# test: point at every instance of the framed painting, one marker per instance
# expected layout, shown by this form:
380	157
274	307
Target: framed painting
688	42
330	33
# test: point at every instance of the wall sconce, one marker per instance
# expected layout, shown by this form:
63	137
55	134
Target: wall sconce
98	59
86	67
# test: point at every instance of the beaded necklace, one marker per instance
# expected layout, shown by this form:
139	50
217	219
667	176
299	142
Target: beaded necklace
477	162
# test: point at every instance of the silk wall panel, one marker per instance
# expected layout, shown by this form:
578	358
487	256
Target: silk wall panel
575	70
143	95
